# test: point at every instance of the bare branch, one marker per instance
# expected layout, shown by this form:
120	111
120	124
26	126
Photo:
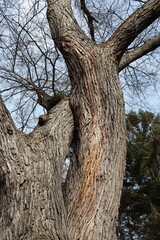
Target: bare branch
29	85
134	25
147	47
90	18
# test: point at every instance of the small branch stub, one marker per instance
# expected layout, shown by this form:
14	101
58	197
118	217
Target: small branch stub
48	102
43	119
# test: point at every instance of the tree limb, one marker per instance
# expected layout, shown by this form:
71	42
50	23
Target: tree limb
24	82
147	47
30	176
134	25
6	119
63	24
90	18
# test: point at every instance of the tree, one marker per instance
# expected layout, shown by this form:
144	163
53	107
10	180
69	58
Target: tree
34	205
28	67
140	210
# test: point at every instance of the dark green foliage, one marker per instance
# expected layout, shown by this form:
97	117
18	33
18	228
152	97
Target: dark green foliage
139	216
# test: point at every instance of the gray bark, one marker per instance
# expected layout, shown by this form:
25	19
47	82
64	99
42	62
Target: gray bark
32	205
94	181
148	46
31	201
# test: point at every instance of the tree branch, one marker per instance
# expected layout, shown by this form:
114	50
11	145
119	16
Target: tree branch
90	18
134	25
63	24
8	125
31	175
147	47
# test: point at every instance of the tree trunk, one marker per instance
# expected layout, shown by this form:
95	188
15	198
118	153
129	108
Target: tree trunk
94	182
31	173
31	165
32	205
31	201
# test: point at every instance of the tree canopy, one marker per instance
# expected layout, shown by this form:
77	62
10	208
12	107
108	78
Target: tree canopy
31	66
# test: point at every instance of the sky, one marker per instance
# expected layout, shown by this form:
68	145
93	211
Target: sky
150	100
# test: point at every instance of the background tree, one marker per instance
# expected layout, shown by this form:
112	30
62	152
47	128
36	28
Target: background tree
26	43
28	68
87	208
140	206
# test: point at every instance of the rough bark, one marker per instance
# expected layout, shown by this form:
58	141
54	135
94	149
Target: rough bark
31	202
94	181
134	25
137	53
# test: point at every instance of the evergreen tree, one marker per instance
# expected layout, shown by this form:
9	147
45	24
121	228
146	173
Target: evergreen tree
140	204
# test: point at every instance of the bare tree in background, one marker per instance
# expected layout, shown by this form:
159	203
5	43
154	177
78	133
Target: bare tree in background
28	69
34	205
26	44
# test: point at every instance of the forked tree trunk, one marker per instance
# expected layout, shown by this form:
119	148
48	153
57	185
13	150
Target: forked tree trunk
32	205
31	201
31	165
94	181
